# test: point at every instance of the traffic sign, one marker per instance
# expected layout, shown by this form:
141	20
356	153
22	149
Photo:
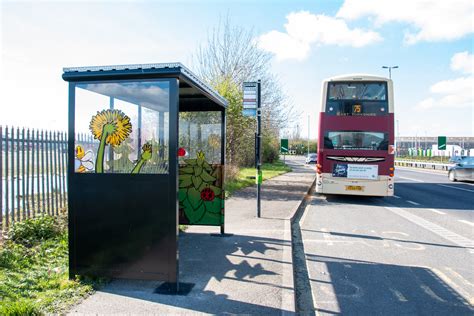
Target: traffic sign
441	142
250	98
284	146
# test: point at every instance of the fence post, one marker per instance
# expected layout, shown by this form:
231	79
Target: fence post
18	214
60	170
23	194
32	172
1	178
64	165
42	174
12	180
27	179
7	215
50	173
38	191
55	154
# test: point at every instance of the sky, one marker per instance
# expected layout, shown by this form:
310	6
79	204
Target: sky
431	42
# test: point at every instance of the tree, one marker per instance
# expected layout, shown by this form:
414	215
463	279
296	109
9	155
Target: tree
229	57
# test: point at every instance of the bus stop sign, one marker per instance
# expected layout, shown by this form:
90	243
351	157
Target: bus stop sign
284	146
441	142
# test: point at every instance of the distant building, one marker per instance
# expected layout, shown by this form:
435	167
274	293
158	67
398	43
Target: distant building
455	145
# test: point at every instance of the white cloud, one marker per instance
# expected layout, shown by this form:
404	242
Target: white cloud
463	62
434	20
453	93
283	45
304	29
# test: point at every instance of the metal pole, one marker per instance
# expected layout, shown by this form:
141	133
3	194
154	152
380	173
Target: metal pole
259	143
308	135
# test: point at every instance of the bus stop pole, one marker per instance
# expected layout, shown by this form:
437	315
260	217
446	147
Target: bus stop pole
259	148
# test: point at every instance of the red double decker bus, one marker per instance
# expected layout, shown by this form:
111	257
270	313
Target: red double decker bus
356	136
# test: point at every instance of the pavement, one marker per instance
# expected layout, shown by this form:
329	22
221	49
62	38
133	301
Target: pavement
250	272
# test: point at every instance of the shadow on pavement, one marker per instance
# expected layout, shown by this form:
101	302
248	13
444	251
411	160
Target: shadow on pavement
354	287
218	264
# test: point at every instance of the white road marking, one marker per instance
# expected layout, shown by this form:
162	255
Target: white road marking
411	179
448	186
453	287
326	237
399	295
417	170
438	230
436	211
306	211
396	196
459	276
466	222
404	245
430	292
414	203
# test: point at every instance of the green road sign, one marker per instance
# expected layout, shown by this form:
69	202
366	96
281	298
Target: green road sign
284	146
441	142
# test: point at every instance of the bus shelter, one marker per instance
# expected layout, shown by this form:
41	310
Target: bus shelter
146	153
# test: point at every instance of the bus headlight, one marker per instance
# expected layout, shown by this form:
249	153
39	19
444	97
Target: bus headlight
390	186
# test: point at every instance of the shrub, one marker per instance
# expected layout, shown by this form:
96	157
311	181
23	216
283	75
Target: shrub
32	231
270	149
19	308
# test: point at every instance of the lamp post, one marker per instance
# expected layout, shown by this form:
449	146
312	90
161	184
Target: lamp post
308	135
390	70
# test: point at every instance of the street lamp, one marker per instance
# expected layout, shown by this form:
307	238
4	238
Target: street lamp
390	70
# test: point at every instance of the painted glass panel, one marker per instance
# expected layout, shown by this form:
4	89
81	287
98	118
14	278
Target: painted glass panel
122	127
201	194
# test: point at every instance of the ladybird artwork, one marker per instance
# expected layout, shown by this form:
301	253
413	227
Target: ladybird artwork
200	192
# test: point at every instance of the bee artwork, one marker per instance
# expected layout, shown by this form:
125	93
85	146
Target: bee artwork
83	160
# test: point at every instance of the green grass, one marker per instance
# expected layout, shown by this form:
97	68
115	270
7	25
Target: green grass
34	270
243	178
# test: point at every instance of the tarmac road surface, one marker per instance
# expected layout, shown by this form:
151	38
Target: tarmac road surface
411	254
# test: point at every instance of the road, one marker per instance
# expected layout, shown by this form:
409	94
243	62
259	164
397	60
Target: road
411	254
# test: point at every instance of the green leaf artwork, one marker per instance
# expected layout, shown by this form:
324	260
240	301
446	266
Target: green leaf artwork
200	192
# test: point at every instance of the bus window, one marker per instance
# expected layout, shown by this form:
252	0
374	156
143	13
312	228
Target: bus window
357	91
357	99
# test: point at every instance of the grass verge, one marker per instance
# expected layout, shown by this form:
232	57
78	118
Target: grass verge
243	179
34	269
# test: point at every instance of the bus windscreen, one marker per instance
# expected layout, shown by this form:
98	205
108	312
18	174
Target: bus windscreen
355	140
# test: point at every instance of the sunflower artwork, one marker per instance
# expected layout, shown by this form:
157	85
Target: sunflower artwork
111	127
199	197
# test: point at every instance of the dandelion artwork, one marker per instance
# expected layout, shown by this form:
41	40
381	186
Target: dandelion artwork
145	156
110	127
199	197
83	160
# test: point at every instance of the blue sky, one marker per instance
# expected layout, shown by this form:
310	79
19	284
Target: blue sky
431	41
